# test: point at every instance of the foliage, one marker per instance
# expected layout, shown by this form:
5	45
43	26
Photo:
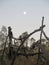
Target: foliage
3	34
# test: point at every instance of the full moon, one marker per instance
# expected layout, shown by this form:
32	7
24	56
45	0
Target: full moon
25	12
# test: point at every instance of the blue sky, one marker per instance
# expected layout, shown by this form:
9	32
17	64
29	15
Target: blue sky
11	14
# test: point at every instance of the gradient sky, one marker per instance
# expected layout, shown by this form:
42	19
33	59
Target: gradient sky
11	14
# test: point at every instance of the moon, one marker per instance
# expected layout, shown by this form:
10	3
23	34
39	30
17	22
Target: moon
24	12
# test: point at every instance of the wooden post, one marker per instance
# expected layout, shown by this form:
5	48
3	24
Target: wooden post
40	40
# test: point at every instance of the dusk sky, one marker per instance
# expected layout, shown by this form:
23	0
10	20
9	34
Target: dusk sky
24	15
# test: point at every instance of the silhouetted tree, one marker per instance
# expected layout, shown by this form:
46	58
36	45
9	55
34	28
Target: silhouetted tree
3	34
23	36
4	30
32	40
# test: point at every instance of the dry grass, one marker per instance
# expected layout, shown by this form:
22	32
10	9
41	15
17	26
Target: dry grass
22	60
